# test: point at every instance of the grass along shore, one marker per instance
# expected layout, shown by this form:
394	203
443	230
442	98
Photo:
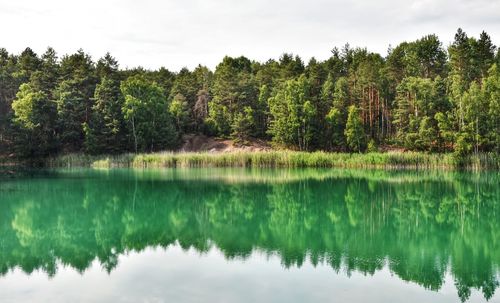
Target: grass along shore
282	159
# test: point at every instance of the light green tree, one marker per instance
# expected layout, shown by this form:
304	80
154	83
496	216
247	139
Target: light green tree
354	132
35	119
475	110
293	114
179	109
146	109
338	95
491	89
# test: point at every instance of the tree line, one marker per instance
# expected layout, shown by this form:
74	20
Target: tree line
420	96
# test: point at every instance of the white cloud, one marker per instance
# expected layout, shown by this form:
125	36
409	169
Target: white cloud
154	33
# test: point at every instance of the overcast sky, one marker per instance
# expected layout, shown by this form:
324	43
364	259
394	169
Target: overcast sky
154	33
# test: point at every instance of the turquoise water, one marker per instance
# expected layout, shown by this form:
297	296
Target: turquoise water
239	235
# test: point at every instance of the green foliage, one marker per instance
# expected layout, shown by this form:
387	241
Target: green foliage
491	90
34	118
463	148
191	85
334	122
427	134
372	146
146	109
424	58
74	97
234	88
293	114
414	98
337	95
25	105
105	132
475	115
354	132
262	111
445	129
179	109
73	109
243	124
419	116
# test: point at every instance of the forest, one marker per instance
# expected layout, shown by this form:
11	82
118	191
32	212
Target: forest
422	96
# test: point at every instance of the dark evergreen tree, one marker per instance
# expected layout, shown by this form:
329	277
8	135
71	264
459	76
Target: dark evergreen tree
74	96
106	132
418	97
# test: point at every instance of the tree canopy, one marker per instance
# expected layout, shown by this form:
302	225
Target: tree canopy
420	96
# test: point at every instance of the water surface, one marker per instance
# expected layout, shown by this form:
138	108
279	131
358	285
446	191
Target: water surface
239	235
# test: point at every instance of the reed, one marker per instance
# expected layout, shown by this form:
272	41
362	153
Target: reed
284	159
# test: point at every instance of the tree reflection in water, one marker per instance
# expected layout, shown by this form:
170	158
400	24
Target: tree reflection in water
418	224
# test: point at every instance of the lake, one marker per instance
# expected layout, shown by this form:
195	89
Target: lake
249	235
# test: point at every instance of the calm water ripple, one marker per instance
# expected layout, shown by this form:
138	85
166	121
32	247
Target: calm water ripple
247	235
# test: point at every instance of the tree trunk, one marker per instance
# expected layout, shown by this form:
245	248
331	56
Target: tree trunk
134	134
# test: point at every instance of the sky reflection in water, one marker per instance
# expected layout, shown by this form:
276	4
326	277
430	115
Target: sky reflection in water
231	235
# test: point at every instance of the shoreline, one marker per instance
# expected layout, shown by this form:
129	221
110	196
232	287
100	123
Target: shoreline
279	159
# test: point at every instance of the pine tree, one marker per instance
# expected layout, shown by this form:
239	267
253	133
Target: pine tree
234	88
105	132
243	124
74	97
